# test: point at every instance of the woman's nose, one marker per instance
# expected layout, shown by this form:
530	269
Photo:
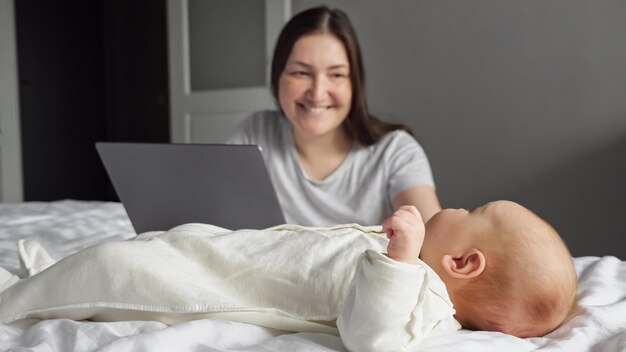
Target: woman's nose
318	89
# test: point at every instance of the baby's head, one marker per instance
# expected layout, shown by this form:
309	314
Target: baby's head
505	268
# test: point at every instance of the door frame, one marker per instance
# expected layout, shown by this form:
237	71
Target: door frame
11	183
209	116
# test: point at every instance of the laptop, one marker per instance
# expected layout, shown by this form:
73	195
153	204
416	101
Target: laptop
166	185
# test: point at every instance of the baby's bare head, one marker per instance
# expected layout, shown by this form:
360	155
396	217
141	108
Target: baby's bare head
506	269
528	287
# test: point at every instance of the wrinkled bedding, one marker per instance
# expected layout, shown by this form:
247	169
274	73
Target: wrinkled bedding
65	227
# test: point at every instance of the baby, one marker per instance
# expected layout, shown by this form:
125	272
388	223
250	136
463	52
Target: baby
503	267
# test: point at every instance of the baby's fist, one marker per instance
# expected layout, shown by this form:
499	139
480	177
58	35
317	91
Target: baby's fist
405	230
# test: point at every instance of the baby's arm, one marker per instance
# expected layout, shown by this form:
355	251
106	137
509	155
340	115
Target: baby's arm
395	301
405	230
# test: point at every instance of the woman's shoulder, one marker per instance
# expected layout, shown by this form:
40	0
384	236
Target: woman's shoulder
394	148
259	126
397	139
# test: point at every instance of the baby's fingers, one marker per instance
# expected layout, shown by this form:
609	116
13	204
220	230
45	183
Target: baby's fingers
387	227
412	210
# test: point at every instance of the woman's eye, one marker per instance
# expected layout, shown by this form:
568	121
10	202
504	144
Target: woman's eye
338	75
299	73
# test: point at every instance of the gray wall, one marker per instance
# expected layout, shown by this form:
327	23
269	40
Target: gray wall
521	100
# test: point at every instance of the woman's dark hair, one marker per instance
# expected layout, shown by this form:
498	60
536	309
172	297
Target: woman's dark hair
360	124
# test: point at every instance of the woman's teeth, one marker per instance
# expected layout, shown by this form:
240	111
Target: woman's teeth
315	110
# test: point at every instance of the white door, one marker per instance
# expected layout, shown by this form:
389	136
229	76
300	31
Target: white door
220	52
10	147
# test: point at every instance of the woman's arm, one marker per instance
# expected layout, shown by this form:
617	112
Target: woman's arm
423	198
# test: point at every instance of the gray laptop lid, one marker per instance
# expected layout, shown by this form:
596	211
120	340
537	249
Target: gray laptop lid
166	185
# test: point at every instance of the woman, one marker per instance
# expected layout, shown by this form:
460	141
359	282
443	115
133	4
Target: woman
330	160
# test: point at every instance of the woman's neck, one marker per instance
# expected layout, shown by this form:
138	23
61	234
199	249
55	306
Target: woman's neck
319	157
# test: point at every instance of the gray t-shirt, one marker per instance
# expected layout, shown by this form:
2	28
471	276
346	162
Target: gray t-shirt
360	191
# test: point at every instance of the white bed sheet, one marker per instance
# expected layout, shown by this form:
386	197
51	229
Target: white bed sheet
67	226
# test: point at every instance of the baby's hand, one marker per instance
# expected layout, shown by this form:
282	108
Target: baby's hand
405	230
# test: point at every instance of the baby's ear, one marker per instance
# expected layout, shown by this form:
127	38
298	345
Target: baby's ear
466	266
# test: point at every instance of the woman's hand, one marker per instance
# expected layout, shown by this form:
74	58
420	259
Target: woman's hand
405	231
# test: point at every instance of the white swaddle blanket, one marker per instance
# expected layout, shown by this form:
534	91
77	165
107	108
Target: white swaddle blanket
286	277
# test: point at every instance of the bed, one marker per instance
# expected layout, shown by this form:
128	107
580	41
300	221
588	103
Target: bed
67	226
